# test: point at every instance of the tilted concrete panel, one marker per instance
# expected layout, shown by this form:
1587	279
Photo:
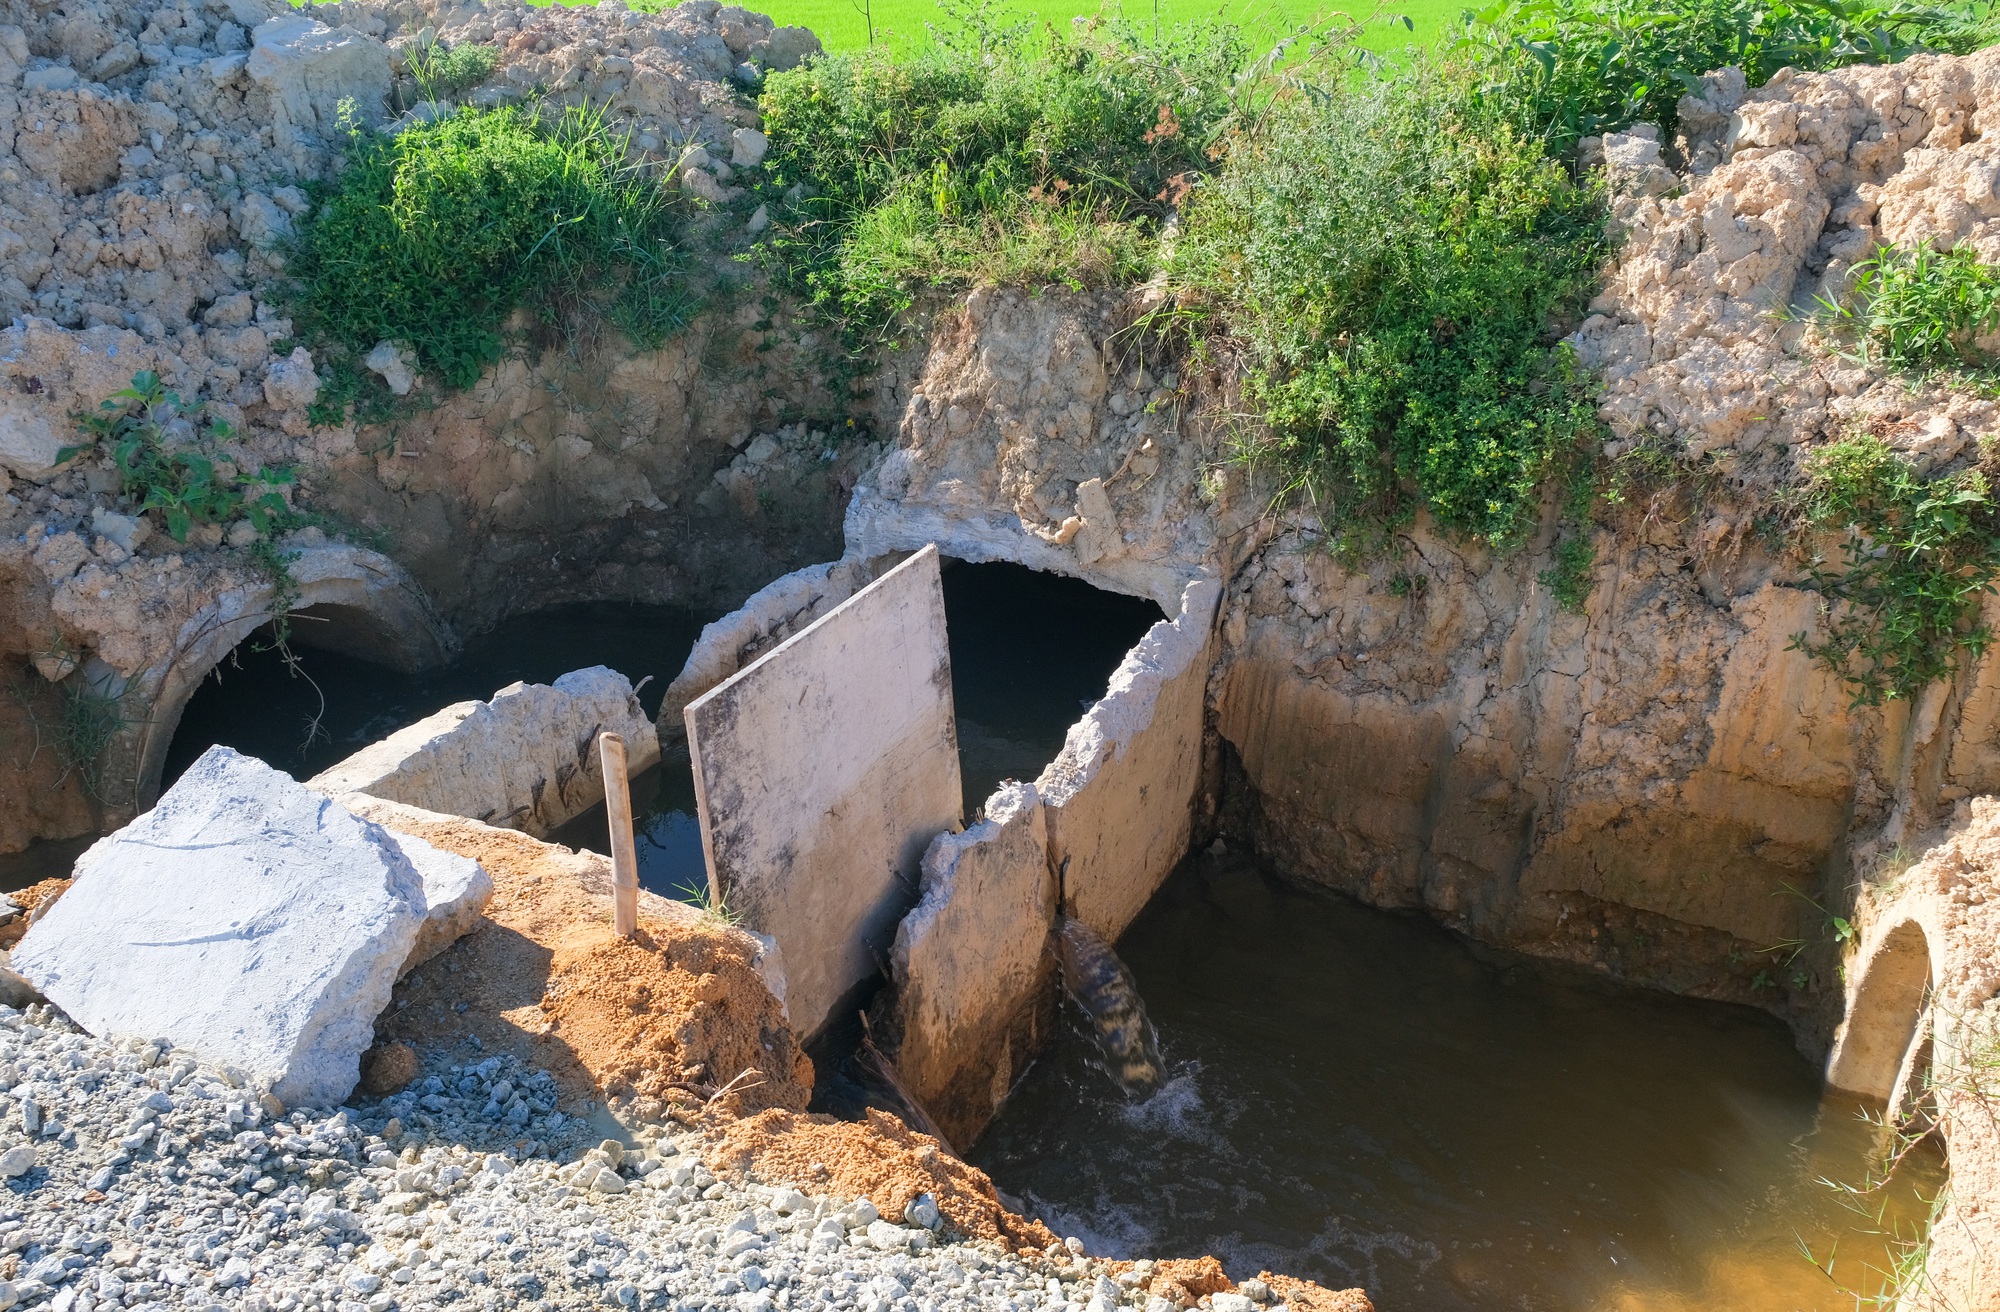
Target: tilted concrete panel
822	771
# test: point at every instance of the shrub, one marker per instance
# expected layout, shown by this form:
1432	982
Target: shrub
185	482
442	72
1021	156
1397	257
1919	309
1918	556
434	236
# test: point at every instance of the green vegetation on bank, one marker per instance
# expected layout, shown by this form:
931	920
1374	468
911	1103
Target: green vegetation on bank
1014	155
434	237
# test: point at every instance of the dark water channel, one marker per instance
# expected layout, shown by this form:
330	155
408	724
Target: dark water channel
1359	1098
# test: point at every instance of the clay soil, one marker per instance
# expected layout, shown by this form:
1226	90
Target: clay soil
675	1017
879	1159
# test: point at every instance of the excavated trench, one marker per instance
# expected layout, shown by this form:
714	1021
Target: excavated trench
1353	1096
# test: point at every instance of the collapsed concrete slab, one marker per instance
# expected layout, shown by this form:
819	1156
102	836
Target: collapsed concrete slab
822	771
974	978
250	921
526	760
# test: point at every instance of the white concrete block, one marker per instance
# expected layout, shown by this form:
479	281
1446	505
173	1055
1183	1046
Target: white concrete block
246	919
822	771
526	760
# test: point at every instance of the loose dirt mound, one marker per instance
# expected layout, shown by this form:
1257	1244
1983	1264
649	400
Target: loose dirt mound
673	1015
879	1159
1185	1281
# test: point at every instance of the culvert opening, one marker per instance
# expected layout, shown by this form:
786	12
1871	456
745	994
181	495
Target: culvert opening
331	696
1360	1097
1030	652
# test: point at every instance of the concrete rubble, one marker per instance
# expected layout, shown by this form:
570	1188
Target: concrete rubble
250	921
525	760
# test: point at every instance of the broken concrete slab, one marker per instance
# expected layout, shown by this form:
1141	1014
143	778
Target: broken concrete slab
456	891
246	919
526	760
1120	795
974	978
822	771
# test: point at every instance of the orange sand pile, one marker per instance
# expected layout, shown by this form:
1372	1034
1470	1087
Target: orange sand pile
673	1015
30	897
879	1159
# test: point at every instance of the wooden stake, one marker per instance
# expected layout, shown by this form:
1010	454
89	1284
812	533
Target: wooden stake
618	815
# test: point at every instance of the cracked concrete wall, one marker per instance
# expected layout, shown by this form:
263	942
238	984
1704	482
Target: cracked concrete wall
975	982
1120	796
822	771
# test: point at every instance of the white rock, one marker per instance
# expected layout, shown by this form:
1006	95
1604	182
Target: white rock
128	531
292	383
786	1201
29	436
1230	1303
261	221
747	147
387	359
309	68
246	919
923	1211
17	1161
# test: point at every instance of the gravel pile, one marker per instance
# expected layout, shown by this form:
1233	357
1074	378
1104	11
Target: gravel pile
137	1178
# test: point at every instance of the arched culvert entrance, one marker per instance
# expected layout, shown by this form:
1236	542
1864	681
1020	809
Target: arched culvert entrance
348	599
1871	1051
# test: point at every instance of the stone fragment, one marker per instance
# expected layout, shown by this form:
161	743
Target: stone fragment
387	1067
747	147
310	68
387	359
292	383
128	531
246	919
923	1211
17	1161
789	47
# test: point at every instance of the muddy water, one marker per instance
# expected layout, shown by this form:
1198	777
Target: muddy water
1357	1097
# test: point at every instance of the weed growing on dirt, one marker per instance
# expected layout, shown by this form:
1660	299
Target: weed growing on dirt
442	72
1017	155
167	466
1397	256
1918	309
433	237
1917	554
1589	66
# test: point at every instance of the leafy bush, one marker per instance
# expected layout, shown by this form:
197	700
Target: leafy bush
184	483
1918	556
444	72
1919	309
434	236
1015	156
1588	66
1397	256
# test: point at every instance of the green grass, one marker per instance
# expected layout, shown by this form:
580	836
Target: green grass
433	237
899	24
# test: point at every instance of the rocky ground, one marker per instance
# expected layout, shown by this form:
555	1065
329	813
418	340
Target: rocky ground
140	1179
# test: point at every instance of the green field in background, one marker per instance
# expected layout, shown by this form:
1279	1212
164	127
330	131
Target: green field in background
841	26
